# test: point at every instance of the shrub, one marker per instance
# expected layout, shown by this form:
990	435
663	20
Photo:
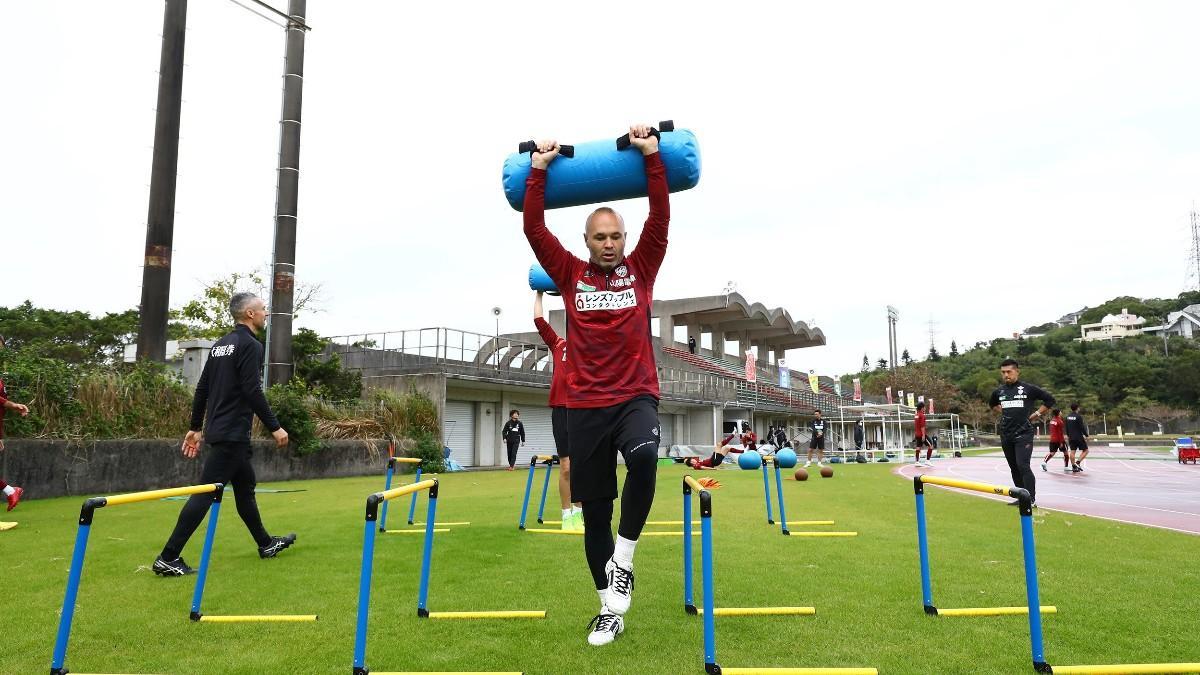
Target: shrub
430	452
289	401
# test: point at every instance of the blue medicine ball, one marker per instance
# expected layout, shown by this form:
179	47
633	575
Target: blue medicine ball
750	460
785	458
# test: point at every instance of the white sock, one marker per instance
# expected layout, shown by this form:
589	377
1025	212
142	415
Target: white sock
623	552
8	490
601	592
566	513
576	509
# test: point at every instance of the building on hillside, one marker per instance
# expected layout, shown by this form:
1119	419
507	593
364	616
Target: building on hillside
1070	318
1184	323
475	379
1112	327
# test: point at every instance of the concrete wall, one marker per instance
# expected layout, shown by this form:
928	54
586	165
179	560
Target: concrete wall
47	468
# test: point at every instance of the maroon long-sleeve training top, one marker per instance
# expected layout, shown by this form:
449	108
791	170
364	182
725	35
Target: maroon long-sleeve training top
611	359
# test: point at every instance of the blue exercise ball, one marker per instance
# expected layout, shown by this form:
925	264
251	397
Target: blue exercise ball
750	460
785	458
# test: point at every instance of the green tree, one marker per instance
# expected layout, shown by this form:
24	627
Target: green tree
208	315
953	349
906	358
933	354
866	364
882	364
324	377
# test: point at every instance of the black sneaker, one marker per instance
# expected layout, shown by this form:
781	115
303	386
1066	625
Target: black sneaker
171	568
277	544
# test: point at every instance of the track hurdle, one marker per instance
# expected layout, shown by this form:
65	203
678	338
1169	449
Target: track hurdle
783	523
1034	607
387	485
710	612
370	531
86	515
549	461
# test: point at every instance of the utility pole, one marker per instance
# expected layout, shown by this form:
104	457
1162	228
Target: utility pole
283	265
893	316
1194	267
160	219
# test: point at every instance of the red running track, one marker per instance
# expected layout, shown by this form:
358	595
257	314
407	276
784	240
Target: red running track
1149	490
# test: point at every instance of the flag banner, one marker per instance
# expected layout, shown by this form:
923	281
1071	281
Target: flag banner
814	382
888	391
751	371
785	375
857	390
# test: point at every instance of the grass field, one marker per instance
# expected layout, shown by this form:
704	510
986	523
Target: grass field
1125	593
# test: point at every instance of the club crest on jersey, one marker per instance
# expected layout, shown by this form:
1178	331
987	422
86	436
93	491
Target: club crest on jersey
580	286
1020	390
621	270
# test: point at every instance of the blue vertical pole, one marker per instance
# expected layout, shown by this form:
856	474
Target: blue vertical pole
387	485
545	489
779	489
68	609
364	596
1031	587
710	629
205	556
687	549
923	547
427	555
528	489
412	506
767	494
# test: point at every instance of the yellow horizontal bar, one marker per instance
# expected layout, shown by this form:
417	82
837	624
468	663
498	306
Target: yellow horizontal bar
760	611
259	618
133	497
435	530
579	533
799	670
455	672
994	611
824	534
407	489
669	522
441	523
694	484
966	484
544	458
510	614
1130	669
406	460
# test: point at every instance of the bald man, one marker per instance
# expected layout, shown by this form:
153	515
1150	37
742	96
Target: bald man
611	376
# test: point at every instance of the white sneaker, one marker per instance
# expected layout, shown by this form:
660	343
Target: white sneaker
1044	467
807	464
819	463
1067	469
619	593
605	627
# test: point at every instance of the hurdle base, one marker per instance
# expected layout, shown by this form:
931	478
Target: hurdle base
758	611
794	671
255	618
494	614
1042	667
1122	668
787	532
988	611
438	530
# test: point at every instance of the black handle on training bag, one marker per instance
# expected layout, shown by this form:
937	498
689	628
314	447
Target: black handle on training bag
531	147
666	125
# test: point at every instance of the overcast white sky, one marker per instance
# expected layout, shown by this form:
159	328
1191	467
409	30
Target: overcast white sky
987	166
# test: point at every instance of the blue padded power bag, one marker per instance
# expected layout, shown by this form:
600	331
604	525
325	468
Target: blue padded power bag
600	173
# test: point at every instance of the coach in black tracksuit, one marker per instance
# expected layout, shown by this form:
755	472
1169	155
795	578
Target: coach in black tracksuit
513	434
1014	400
229	394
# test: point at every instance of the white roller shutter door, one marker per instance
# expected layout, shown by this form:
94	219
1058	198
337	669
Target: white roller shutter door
458	429
666	430
539	434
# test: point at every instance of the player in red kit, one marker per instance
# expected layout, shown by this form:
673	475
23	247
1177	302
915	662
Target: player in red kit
612	379
1058	440
922	438
572	516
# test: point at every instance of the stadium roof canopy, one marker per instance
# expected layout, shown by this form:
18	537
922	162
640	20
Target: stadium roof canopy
738	320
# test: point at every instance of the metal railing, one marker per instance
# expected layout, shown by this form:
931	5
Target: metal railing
439	345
